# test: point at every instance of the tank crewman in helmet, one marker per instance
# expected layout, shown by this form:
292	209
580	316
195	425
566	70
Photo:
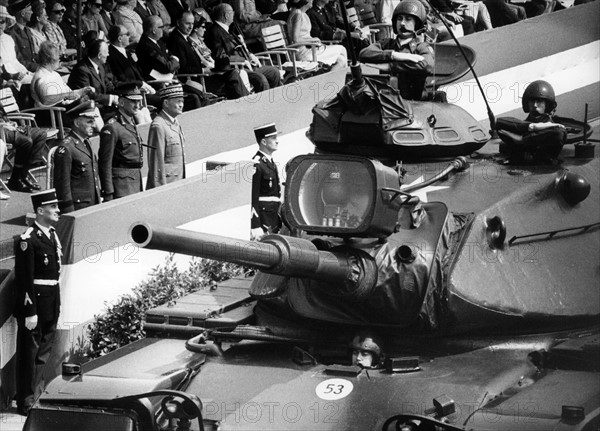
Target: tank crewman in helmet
120	155
75	164
410	59
538	138
266	190
37	268
366	350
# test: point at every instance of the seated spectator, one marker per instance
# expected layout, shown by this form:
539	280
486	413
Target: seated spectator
91	19
160	11
226	79
125	15
449	13
502	13
68	24
143	9
409	59
29	143
54	33
299	31
47	86
176	8
90	72
22	35
106	13
224	44
12	72
250	19
157	63
39	19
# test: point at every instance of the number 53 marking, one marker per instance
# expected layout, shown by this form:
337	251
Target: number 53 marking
334	389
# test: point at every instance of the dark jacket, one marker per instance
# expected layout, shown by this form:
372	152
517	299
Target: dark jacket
76	174
322	22
124	69
188	58
37	258
24	47
223	44
175	9
154	56
85	74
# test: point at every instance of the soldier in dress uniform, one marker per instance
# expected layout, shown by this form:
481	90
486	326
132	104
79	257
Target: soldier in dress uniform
37	268
75	164
266	190
120	155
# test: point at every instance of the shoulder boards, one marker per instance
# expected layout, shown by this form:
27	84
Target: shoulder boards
256	158
27	234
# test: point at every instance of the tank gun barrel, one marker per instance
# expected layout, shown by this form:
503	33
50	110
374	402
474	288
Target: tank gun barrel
351	271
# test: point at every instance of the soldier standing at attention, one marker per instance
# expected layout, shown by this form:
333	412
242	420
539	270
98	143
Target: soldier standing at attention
120	155
37	268
75	164
266	190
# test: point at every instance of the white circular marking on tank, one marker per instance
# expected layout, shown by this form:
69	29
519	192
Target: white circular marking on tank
334	389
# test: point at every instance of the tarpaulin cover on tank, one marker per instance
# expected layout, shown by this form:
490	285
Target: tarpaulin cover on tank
374	103
407	293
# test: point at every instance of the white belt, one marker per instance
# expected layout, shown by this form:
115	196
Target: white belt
45	282
269	199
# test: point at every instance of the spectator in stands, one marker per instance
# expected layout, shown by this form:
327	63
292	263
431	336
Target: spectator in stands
226	80
29	143
299	31
47	86
75	164
250	19
24	43
449	13
91	19
144	9
120	154
12	73
54	33
154	59
408	58
106	13
176	8
90	72
502	13
68	24
223	44
161	11
125	15
123	63
39	19
166	142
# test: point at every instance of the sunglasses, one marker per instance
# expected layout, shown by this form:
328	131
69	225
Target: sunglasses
124	34
59	11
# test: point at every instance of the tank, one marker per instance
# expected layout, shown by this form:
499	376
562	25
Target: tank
478	311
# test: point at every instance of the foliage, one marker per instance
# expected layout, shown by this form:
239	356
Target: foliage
123	321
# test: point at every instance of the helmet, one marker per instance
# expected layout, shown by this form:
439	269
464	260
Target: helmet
573	187
367	342
413	8
539	90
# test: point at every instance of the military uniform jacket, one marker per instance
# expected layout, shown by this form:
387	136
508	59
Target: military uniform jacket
37	268
24	46
166	159
76	174
265	183
120	157
381	52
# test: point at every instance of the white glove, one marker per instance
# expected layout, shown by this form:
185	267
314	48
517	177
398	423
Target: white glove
31	322
256	234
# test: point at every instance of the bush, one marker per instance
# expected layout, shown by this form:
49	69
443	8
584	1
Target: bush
123	321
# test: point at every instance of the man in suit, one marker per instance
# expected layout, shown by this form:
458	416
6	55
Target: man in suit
166	142
223	44
144	9
153	55
75	164
123	63
91	72
24	45
120	155
37	268
106	13
176	8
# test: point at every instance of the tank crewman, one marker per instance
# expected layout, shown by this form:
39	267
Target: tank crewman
75	164
538	138
120	155
37	268
266	190
166	141
410	59
366	350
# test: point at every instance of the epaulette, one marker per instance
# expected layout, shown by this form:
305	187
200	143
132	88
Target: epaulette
257	157
27	234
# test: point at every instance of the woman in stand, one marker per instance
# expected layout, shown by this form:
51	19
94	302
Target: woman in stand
39	19
91	19
299	32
